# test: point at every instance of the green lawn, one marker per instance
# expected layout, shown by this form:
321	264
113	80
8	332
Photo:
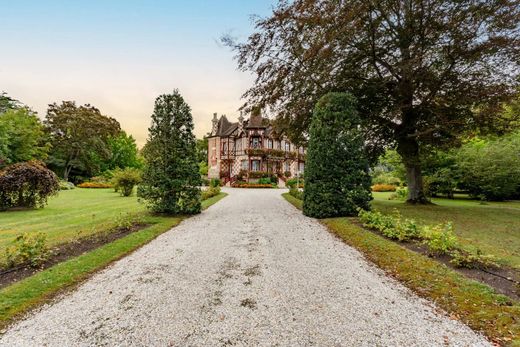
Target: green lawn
493	227
71	214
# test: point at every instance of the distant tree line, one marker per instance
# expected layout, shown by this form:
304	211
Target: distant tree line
77	142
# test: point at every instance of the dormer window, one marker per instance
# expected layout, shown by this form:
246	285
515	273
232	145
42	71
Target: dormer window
287	146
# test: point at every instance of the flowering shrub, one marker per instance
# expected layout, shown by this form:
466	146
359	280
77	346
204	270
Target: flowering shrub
383	188
94	185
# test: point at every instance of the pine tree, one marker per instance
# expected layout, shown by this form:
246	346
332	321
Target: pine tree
171	177
337	182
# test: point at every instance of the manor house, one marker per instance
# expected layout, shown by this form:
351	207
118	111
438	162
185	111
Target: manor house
250	149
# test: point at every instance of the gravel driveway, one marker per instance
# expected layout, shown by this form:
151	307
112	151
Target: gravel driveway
249	271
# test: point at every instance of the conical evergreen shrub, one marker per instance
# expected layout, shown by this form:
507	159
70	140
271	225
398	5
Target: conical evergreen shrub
171	176
337	182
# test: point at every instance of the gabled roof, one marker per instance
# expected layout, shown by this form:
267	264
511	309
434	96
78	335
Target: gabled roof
225	127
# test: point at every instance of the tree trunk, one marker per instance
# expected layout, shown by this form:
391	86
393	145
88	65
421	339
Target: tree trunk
409	150
66	173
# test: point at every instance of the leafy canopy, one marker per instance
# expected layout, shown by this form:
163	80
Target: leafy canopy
80	137
423	71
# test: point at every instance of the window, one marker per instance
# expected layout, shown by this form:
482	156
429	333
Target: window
287	146
255	142
244	165
255	165
278	144
301	167
287	166
238	145
270	144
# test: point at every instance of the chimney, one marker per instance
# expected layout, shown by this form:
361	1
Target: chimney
214	122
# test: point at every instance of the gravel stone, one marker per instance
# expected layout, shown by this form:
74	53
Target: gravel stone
248	271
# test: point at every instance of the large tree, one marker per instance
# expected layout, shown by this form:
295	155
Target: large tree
423	71
22	137
171	177
79	136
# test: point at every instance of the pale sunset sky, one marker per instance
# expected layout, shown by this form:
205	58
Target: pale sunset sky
119	55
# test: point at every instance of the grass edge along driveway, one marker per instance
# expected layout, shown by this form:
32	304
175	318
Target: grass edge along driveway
30	292
475	304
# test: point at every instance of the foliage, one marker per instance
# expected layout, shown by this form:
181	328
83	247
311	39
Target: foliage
292	182
123	153
440	239
423	72
297	193
126	179
337	182
64	185
210	192
258	174
27	249
266	180
80	137
384	188
490	169
442	182
391	226
203	168
171	176
8	103
472	259
27	184
22	137
386	178
94	185
215	182
400	193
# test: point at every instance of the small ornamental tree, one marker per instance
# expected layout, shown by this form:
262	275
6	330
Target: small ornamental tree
27	184
337	182
171	176
126	179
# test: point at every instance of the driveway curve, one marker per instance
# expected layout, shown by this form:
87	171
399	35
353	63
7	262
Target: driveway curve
248	271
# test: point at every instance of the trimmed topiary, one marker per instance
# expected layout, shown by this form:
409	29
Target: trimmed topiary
27	184
171	179
337	182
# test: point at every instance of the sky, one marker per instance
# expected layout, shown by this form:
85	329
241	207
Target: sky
119	55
